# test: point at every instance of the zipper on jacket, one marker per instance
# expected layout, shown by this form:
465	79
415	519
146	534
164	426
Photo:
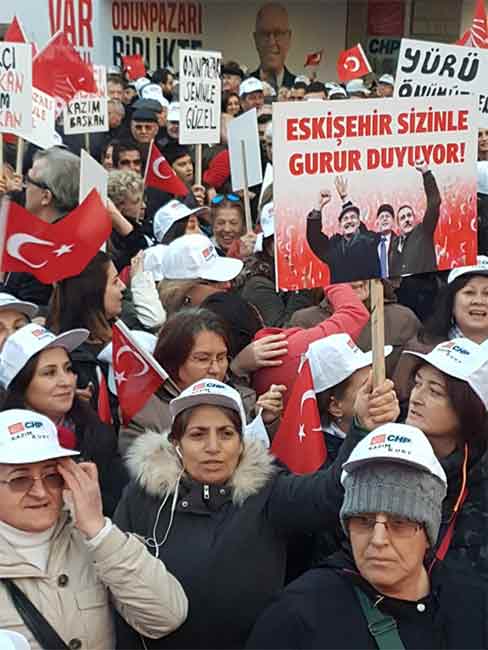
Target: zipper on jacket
206	492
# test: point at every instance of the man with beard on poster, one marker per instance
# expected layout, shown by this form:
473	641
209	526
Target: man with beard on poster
272	38
352	253
413	250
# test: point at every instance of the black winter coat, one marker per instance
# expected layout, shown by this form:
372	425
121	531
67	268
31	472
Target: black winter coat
227	544
321	610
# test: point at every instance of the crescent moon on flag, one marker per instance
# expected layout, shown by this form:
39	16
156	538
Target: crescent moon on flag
308	394
126	348
354	64
156	165
15	243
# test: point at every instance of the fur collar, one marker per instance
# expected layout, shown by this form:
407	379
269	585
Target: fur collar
154	465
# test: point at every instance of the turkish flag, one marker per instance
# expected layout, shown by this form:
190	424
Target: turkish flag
477	34
352	64
60	72
299	442
54	251
137	373
313	59
133	65
161	176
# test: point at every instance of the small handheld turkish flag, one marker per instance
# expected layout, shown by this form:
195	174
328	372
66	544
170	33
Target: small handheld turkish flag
477	34
52	252
59	71
352	64
313	59
133	65
299	442
161	176
137	374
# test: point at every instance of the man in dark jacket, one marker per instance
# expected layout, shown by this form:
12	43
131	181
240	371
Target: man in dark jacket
351	255
413	250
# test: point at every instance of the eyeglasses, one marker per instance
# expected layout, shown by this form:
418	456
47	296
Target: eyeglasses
365	524
230	197
207	359
278	35
40	184
24	484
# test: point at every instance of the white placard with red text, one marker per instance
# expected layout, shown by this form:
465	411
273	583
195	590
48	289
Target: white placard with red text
15	87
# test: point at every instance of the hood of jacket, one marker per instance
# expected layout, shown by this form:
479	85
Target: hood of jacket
155	466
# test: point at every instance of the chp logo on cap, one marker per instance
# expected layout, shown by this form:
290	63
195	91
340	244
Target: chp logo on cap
207	386
388	440
23	429
454	351
209	253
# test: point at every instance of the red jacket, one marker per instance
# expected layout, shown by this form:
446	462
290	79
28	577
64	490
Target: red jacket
350	316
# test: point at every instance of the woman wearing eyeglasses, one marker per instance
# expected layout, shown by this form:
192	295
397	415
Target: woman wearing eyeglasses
192	345
62	572
379	593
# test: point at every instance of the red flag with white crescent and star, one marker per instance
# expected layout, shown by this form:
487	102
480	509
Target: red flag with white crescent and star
477	34
54	251
59	71
299	442
352	64
137	374
161	176
133	65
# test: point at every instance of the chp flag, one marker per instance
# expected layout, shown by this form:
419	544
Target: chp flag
352	64
137	374
53	252
299	442
477	34
161	176
16	34
133	66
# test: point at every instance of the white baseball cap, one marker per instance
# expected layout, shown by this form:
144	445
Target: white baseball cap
174	112
482	176
191	257
462	359
7	301
250	85
153	260
28	437
387	79
357	87
337	91
23	344
266	219
140	83
480	268
208	391
335	358
170	213
13	641
396	443
154	91
145	340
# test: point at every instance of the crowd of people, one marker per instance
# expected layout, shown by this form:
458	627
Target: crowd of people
179	528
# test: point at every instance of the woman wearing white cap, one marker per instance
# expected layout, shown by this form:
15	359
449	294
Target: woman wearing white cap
62	572
14	314
379	593
449	402
461	311
36	373
216	509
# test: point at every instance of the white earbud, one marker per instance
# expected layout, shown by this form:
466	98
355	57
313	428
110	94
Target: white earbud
178	451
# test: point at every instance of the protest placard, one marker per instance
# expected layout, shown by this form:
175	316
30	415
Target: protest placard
15	87
200	97
42	133
88	112
428	69
92	177
245	129
381	188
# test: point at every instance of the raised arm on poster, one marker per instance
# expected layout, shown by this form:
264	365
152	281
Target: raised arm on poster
42	134
88	112
15	88
245	129
428	69
373	189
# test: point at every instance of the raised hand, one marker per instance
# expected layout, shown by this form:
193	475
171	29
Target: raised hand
271	402
324	198
341	186
378	406
84	493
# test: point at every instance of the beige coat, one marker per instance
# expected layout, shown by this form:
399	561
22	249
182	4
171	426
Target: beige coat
73	593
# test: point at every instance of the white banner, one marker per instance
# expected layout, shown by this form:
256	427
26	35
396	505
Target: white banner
245	129
42	133
428	69
88	113
200	97
15	87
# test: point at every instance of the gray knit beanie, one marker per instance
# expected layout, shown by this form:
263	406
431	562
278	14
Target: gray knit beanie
395	489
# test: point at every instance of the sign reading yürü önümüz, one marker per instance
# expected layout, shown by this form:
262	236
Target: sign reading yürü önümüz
200	97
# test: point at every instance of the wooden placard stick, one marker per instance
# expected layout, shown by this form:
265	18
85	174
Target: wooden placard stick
377	331
20	156
198	164
247	199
